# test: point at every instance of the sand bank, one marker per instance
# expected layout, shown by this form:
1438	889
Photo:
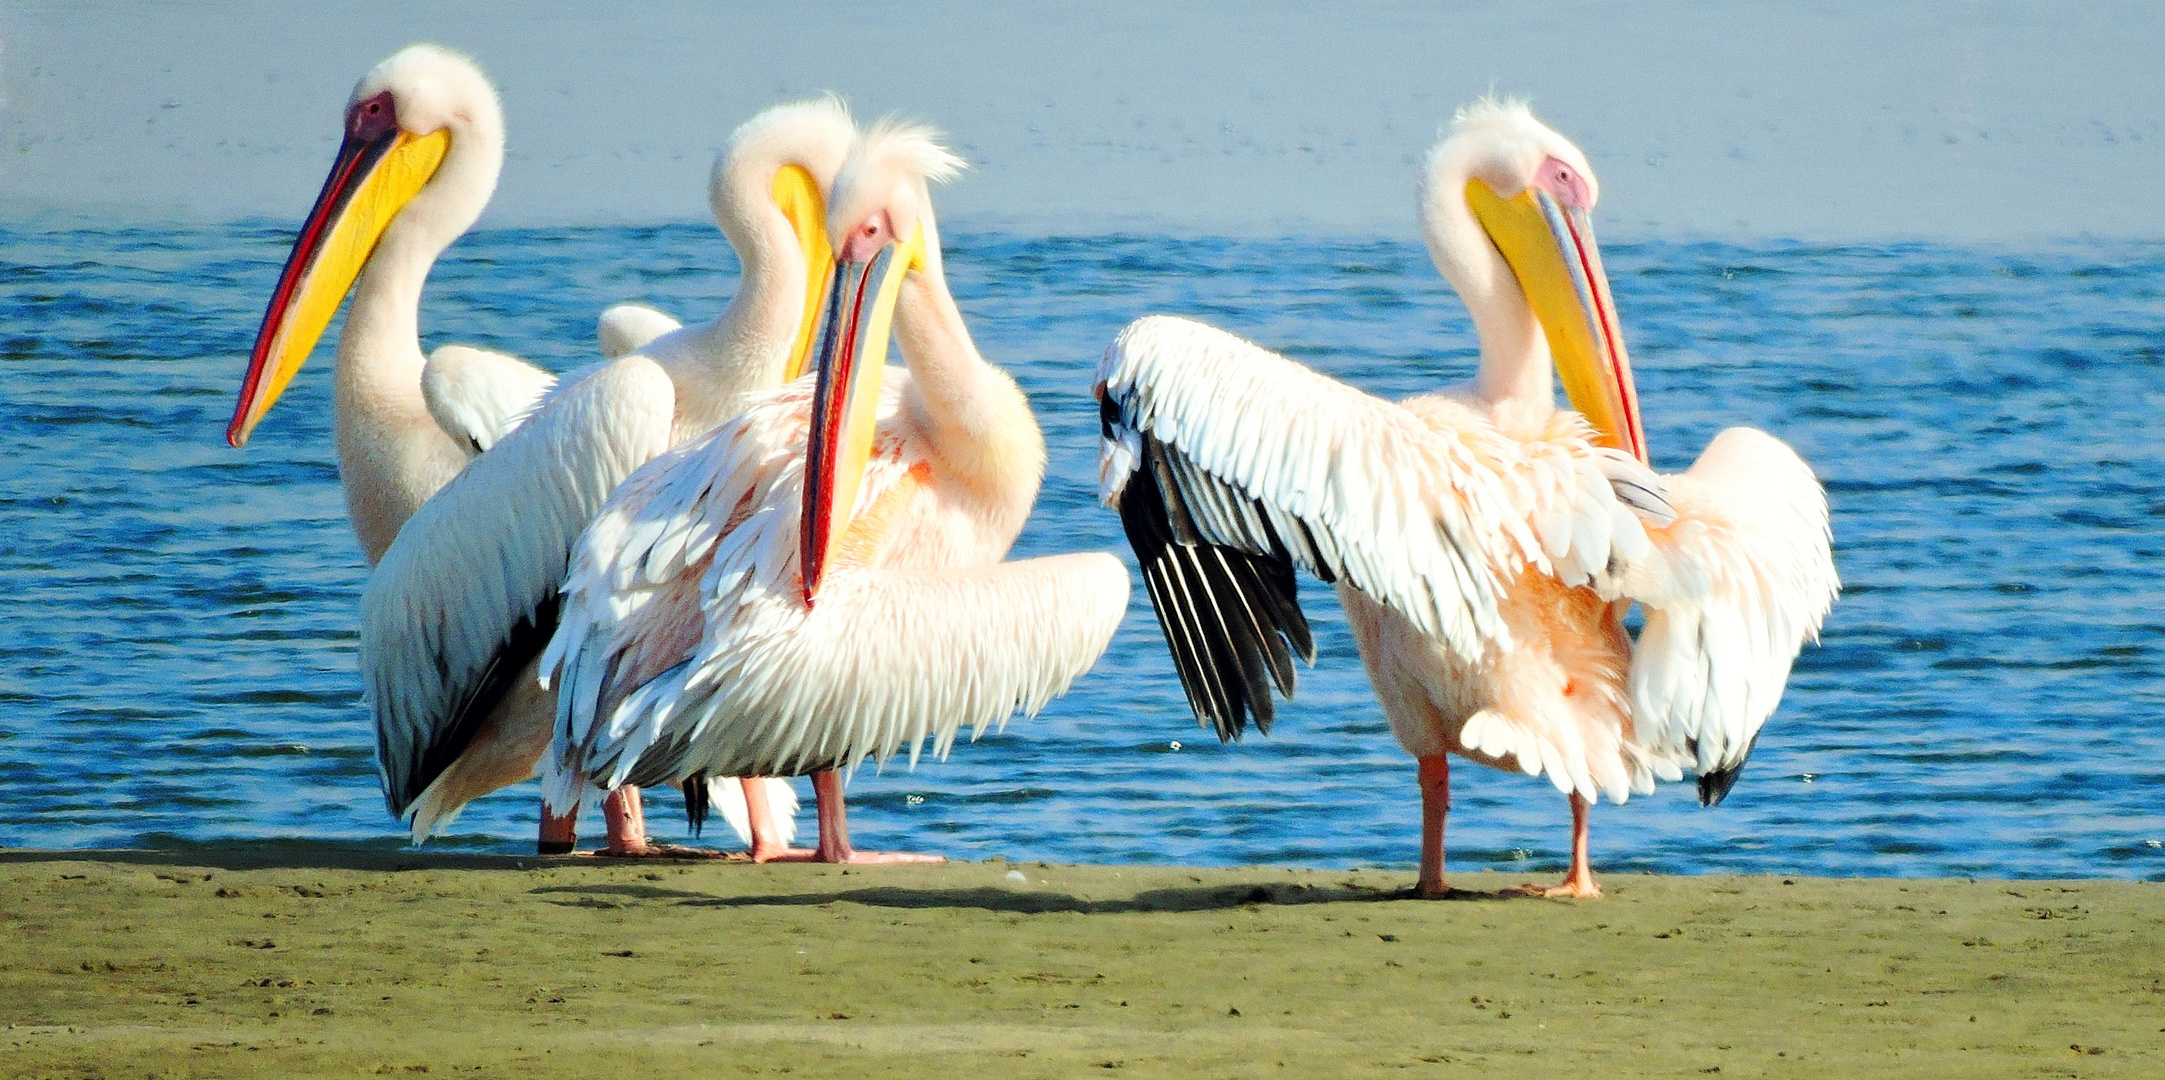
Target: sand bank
309	961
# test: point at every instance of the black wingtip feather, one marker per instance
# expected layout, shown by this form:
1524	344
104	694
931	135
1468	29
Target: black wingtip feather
1231	618
695	801
1714	786
518	649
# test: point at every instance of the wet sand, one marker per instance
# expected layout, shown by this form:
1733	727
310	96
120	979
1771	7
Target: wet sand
311	961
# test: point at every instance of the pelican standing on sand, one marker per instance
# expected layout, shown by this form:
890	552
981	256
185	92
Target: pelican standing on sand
423	147
457	613
820	581
1484	543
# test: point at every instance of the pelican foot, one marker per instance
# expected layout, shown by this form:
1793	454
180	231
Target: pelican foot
779	854
648	850
889	857
857	858
1573	887
1432	890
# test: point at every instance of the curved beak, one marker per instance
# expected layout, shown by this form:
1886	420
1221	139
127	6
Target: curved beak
1552	252
845	405
797	194
375	175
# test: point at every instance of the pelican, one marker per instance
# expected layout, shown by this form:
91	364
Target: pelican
424	145
464	600
821	581
1484	543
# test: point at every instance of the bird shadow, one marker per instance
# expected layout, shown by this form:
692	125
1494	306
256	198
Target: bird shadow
1016	901
301	856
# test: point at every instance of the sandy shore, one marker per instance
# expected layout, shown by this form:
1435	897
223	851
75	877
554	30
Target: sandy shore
309	961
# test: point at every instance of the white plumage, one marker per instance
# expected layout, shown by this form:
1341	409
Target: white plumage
699	636
478	396
1484	543
485	557
886	660
455	617
627	328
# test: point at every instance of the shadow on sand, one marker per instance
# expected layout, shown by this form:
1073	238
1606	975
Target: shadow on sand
608	894
311	855
993	898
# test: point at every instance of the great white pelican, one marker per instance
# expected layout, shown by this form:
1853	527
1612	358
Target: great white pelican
1485	544
455	617
821	580
424	144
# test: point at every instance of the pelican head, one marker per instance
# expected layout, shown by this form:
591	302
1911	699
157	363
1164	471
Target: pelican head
424	136
1505	206
880	219
784	159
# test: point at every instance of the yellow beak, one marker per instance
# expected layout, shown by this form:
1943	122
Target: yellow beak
845	405
1552	253
376	175
797	194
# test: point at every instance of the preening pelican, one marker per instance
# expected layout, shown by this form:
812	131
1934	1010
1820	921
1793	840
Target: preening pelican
423	148
1484	543
820	581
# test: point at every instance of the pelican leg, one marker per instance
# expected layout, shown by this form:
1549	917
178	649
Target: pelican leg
767	845
1579	883
626	820
559	835
834	831
1435	781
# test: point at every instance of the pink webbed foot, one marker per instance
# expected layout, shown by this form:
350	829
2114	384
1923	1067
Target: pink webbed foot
626	820
1574	886
1579	883
834	845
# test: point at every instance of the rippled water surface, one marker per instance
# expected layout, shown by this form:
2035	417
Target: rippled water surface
177	618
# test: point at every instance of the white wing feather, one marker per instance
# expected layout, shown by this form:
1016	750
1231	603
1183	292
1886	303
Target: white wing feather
726	796
1732	590
489	551
1425	506
886	659
627	328
478	396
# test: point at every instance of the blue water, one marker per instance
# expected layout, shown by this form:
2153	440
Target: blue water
177	618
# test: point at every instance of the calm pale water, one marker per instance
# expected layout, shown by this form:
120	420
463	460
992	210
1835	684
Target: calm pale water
177	645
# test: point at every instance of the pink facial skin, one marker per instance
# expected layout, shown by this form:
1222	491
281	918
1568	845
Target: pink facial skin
866	239
1564	184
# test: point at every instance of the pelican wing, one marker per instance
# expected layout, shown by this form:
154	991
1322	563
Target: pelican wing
478	396
887	659
1732	589
627	328
466	597
1229	465
736	676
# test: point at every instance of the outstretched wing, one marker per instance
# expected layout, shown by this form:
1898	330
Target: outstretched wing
1731	590
478	396
1229	465
466	597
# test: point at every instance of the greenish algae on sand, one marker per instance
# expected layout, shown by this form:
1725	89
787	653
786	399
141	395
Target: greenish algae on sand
317	962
